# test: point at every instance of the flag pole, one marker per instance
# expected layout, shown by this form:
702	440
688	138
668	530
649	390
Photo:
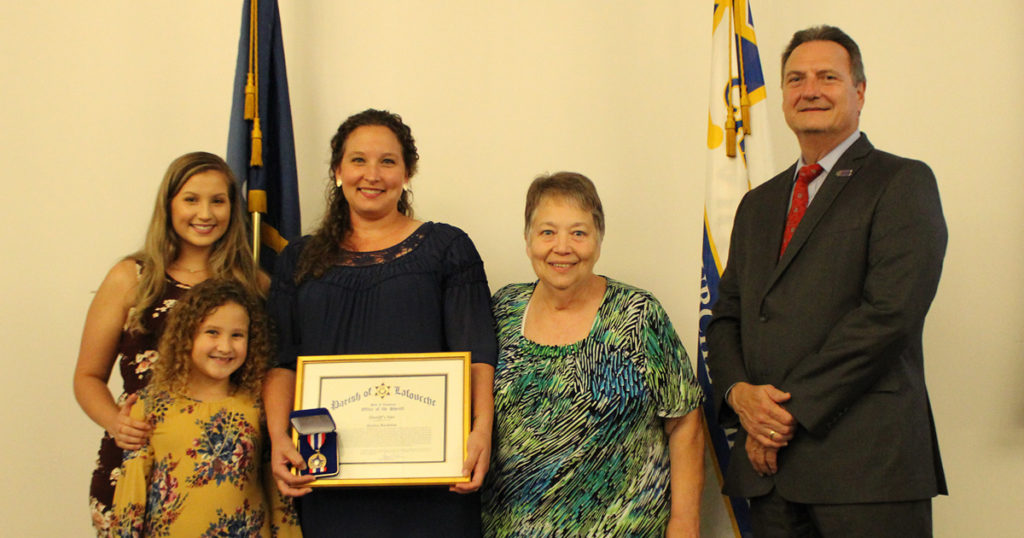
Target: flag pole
256	237
253	112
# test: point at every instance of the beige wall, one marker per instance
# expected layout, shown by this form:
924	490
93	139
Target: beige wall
97	98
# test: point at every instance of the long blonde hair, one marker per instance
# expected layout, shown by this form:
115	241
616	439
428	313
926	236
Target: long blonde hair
171	372
230	257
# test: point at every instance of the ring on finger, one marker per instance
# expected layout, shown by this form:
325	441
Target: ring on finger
771	434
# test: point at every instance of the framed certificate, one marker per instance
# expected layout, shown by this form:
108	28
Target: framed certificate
402	419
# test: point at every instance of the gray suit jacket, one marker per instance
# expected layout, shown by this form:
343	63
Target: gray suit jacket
837	322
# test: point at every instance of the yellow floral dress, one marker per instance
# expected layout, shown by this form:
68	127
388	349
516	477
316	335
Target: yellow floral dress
203	472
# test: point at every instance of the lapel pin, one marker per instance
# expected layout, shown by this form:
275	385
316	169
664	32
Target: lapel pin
844	173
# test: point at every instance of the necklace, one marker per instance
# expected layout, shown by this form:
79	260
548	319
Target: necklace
189	271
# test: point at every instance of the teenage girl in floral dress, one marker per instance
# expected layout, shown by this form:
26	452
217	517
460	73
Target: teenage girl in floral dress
197	232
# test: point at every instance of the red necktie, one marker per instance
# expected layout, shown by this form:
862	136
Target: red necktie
799	204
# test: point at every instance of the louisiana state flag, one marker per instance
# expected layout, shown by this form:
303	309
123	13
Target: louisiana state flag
739	158
261	147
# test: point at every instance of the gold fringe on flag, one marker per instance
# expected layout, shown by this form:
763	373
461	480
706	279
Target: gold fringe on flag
738	15
730	121
253	78
250	97
257	144
730	135
250	86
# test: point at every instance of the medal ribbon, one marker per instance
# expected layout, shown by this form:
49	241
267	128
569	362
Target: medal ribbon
316	440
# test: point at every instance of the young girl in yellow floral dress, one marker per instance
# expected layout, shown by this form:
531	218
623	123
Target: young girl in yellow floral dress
201	473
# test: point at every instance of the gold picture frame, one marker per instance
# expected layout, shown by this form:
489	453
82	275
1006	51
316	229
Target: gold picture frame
402	419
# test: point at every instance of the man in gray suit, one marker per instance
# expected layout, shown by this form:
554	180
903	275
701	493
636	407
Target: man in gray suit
815	343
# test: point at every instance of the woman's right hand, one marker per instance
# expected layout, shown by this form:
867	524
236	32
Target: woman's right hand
283	458
278	395
128	433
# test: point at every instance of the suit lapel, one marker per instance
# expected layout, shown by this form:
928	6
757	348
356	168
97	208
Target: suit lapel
768	236
844	170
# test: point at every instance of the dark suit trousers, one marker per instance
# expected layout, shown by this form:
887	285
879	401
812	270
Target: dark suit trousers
775	517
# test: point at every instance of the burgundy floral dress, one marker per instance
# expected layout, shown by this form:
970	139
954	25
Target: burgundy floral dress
136	353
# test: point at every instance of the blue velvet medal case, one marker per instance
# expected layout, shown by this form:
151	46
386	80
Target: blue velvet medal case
318	441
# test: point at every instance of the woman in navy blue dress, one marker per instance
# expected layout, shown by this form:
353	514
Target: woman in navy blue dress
373	279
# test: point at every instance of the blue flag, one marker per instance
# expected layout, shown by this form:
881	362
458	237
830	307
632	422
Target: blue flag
739	158
261	147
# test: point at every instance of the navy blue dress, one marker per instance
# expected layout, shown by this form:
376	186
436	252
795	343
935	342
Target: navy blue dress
426	294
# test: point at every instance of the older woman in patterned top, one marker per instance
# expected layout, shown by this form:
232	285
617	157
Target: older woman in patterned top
597	423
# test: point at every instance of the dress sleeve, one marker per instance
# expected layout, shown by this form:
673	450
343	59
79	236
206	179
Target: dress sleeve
669	372
468	323
128	509
281	307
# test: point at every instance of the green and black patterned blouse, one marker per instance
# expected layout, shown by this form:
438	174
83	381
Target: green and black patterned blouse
580	447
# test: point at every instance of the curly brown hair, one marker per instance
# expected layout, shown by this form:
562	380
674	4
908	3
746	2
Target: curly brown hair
322	249
171	372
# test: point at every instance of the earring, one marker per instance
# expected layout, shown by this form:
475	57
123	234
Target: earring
405	201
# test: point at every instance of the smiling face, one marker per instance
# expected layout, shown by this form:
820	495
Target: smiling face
219	348
563	243
201	210
372	172
819	96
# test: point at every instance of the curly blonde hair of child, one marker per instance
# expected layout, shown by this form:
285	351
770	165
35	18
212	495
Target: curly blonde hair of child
171	372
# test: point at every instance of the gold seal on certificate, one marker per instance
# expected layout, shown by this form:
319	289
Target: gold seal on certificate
317	462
